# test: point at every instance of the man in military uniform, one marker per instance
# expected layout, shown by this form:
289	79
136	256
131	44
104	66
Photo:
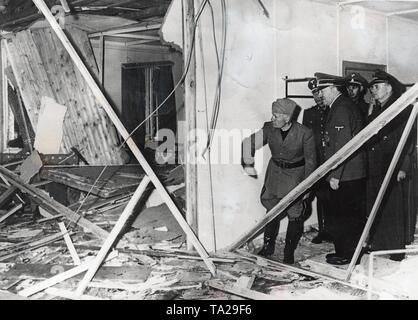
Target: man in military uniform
347	182
293	159
388	229
357	86
314	118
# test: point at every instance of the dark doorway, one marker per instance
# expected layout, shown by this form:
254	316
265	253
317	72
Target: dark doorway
144	87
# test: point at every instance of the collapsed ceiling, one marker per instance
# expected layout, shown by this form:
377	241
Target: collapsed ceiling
18	14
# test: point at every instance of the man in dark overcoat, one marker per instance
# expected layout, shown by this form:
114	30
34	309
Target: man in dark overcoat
293	158
314	118
347	181
388	230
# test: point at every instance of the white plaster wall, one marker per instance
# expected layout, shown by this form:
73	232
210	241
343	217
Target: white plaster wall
403	50
300	38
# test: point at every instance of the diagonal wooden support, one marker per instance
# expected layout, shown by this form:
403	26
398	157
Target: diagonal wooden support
50	204
10	212
124	133
7	195
127	212
382	190
338	158
69	243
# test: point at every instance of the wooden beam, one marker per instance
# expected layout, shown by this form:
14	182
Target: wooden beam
65	6
7	195
50	204
135	36
383	189
12	211
124	133
69	244
60	277
134	43
32	246
190	128
101	59
337	159
127	212
126	29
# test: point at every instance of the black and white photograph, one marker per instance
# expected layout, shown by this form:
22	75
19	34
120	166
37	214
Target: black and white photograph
208	154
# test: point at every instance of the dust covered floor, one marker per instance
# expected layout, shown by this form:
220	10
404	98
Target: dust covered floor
150	261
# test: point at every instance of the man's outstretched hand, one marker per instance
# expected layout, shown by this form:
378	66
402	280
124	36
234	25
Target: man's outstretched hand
250	171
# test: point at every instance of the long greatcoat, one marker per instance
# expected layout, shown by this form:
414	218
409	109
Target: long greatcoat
298	145
343	123
389	227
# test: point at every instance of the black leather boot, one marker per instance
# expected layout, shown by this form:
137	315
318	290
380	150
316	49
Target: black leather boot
268	247
293	234
288	254
270	235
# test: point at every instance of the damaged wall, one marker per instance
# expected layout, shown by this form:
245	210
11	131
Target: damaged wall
42	67
117	54
299	39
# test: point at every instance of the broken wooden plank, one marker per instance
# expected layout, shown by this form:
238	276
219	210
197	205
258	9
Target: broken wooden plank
10	212
9	185
30	167
48	218
40	4
127	212
69	244
7	196
242	292
32	246
50	204
105	187
60	277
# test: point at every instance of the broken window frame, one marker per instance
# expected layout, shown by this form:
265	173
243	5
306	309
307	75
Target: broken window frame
8	123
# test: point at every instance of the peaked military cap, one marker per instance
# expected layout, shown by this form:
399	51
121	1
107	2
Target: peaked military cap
356	78
312	85
381	76
325	80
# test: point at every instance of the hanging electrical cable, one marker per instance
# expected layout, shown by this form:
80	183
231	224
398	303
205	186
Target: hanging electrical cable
212	203
217	99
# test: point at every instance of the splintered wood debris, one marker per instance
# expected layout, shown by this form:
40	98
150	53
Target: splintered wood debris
45	255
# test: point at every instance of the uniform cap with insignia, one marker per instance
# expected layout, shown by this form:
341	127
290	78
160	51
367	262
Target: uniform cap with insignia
381	76
356	78
312	85
284	106
325	80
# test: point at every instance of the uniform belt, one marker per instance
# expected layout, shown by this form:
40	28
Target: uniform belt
289	165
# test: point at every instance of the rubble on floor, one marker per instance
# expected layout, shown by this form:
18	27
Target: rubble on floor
45	256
